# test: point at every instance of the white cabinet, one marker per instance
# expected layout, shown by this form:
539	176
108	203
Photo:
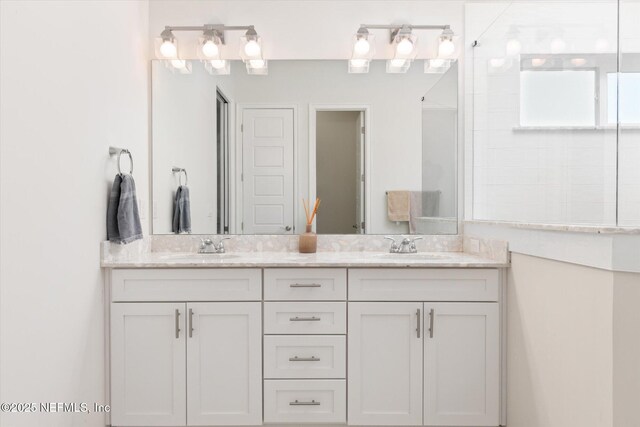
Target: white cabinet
385	364
224	364
177	364
461	364
148	364
455	382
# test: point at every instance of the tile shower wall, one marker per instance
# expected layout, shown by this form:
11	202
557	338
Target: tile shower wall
553	175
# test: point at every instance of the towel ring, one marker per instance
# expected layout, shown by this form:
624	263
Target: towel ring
176	169
119	151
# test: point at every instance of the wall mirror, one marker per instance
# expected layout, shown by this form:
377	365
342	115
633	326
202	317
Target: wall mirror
378	149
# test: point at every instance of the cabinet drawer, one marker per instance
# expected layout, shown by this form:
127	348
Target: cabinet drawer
305	402
388	284
186	284
305	317
327	284
299	356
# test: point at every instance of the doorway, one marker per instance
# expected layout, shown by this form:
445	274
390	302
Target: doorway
340	171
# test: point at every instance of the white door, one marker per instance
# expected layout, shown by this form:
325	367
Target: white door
267	167
148	359
224	363
461	364
385	363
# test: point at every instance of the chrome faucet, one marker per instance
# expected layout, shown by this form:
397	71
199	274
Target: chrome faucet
208	246
405	246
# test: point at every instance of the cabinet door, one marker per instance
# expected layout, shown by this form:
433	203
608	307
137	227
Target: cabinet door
385	363
148	357
461	364
224	366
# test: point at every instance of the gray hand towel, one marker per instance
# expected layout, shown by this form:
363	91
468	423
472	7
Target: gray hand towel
129	228
182	211
112	210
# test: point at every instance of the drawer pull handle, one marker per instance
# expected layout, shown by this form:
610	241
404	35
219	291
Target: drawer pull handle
304	359
305	285
297	403
304	319
432	319
177	316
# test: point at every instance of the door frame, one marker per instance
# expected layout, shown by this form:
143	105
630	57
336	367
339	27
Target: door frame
364	108
237	173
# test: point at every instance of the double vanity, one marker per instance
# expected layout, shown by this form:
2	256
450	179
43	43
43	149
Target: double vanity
350	338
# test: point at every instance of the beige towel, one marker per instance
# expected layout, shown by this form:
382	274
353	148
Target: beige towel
398	205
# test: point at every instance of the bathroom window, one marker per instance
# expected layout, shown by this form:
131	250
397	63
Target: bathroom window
558	98
629	91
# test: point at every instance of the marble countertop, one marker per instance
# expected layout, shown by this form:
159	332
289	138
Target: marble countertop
294	259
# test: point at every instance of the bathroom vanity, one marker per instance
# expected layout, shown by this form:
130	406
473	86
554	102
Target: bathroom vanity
345	338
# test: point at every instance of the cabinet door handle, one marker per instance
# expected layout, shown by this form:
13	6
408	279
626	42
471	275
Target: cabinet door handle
305	285
304	319
190	323
177	315
432	318
418	322
297	403
304	359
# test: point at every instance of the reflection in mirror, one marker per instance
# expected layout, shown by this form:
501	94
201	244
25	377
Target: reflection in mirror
378	149
437	212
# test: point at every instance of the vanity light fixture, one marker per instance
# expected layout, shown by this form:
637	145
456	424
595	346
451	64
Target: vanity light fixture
404	47
446	48
514	45
209	48
251	52
363	51
166	45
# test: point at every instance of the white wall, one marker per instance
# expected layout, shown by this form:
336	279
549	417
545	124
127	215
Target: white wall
73	79
184	135
573	357
559	344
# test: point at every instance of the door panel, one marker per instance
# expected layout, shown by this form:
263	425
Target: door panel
148	380
461	364
385	364
224	363
267	152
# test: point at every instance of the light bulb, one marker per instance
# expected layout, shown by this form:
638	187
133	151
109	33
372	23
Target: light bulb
179	63
398	63
558	45
497	62
362	47
218	63
436	63
168	49
358	63
538	62
446	48
256	63
210	49
252	48
514	47
578	62
404	47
